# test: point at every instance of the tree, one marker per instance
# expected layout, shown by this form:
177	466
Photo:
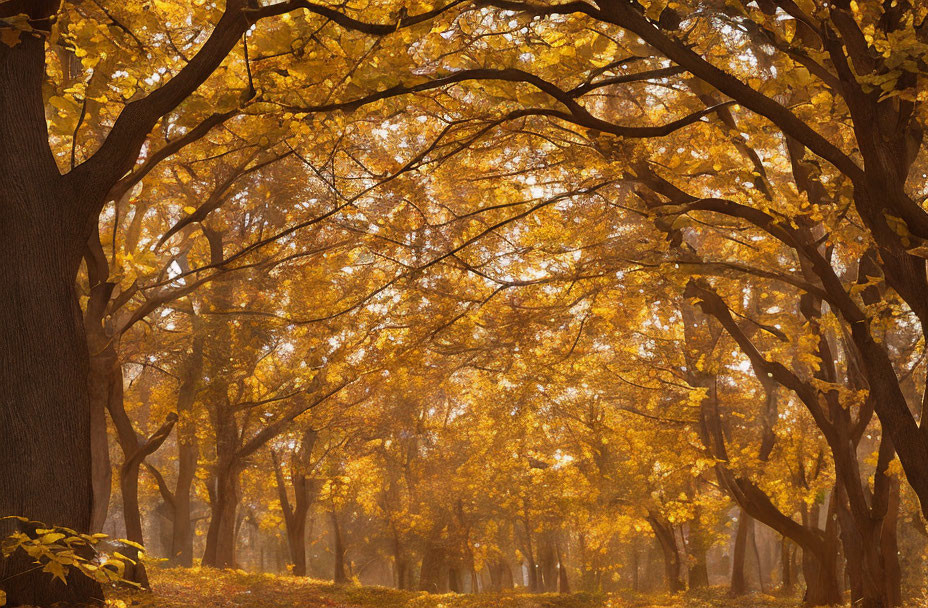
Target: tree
50	219
305	492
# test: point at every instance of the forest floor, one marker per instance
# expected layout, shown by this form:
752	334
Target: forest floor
207	588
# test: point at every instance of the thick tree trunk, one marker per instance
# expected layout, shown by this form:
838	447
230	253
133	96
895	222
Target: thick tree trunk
296	543
854	553
868	534
820	572
220	536
45	450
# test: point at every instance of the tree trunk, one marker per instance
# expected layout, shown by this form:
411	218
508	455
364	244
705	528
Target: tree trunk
433	562
220	536
187	452
104	371
182	533
400	564
296	543
102	475
786	567
225	496
760	567
820	572
563	584
338	549
295	515
636	566
868	533
547	564
304	494
45	452
500	574
889	547
665	538
129	485
738	584
45	418
534	584
698	546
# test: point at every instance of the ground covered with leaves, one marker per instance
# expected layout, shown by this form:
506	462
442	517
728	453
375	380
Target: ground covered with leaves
208	588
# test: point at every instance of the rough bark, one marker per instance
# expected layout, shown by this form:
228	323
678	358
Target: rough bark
45	417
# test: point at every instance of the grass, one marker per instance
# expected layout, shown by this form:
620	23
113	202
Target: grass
208	588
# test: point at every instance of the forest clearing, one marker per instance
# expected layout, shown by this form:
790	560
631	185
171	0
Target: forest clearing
463	303
207	588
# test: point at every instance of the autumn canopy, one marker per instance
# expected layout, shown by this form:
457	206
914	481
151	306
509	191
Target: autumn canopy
465	295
